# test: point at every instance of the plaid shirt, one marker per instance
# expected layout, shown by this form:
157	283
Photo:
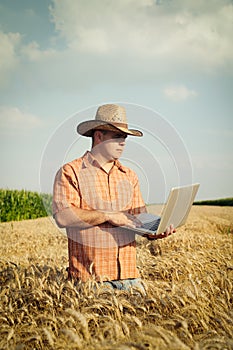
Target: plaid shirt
105	251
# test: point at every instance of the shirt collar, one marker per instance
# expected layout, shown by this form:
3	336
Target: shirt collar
88	160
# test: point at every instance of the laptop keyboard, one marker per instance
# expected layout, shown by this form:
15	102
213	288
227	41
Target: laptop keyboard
151	225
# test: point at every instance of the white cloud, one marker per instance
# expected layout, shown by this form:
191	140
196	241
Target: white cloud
32	52
120	41
13	119
14	54
181	31
9	43
179	93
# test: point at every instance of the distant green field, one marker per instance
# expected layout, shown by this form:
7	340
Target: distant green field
22	205
224	202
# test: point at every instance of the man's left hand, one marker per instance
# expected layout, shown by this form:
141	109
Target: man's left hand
170	230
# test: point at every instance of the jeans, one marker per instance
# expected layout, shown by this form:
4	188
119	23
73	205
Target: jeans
126	284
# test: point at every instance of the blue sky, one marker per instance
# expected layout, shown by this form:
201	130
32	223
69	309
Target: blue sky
60	59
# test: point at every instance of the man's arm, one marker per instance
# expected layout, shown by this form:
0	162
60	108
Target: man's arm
76	217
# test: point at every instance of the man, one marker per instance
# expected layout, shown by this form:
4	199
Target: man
94	196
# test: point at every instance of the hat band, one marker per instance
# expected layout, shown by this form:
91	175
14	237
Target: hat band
121	125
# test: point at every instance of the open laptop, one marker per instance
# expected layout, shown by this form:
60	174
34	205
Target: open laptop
175	211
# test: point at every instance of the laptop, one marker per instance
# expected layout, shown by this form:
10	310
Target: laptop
175	211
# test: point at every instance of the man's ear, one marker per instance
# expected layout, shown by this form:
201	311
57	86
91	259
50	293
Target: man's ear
98	136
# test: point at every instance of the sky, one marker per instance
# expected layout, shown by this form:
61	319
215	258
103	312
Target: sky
170	63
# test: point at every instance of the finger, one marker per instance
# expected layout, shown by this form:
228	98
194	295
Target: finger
134	223
135	220
130	223
138	223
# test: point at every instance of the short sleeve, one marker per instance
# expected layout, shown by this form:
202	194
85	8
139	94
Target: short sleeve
65	190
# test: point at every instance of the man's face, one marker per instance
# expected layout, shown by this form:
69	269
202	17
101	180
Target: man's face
111	144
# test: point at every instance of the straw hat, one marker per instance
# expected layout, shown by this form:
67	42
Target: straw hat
108	117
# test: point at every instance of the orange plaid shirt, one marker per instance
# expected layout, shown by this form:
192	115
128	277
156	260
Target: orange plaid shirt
105	252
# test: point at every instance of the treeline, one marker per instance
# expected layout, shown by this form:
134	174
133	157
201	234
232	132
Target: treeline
224	202
22	205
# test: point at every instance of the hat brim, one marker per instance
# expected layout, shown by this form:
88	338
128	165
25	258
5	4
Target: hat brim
86	128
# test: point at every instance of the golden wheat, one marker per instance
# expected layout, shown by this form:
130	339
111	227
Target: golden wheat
187	277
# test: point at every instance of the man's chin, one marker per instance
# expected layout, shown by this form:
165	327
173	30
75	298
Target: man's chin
112	159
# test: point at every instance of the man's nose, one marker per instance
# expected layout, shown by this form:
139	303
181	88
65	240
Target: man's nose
122	141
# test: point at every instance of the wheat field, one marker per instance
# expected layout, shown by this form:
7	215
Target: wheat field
188	278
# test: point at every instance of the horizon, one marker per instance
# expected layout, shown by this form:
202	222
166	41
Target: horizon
147	204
